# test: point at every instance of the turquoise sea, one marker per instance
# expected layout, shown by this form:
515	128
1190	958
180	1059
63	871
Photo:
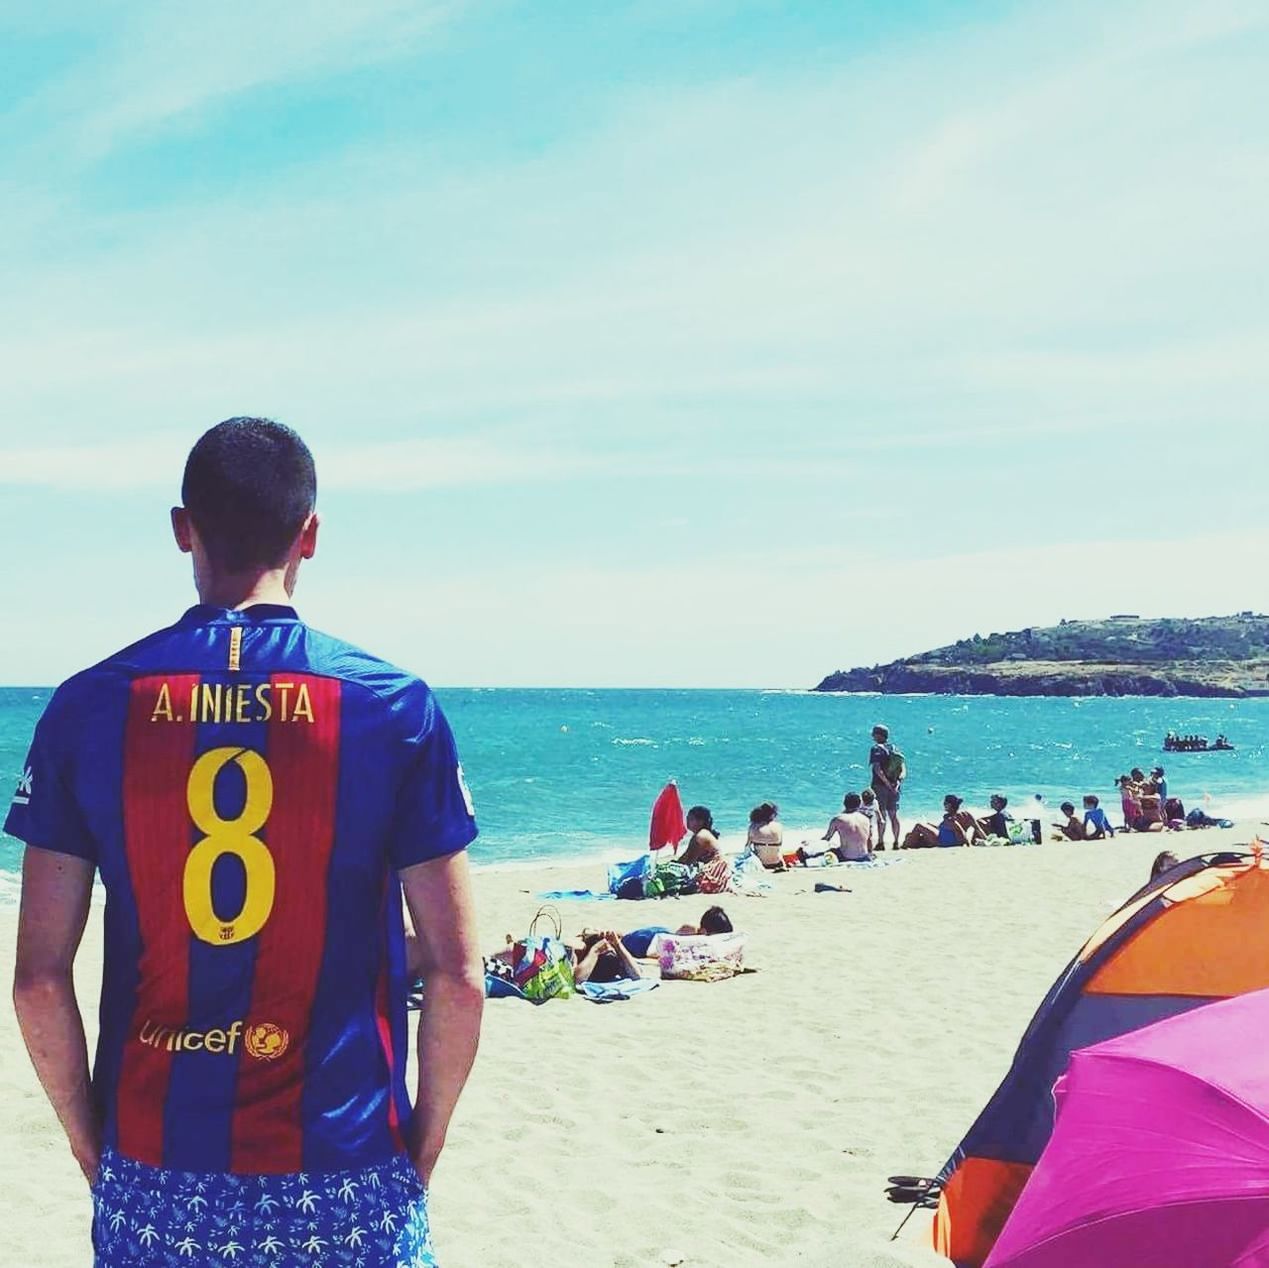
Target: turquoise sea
562	774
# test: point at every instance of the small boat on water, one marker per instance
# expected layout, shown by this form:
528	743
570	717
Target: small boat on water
1173	743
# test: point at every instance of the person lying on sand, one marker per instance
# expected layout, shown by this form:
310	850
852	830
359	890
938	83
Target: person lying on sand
607	956
714	920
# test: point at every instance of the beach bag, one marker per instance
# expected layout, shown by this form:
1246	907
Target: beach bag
626	880
541	967
670	880
700	957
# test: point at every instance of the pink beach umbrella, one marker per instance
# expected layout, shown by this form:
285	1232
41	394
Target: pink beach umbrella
1159	1156
668	826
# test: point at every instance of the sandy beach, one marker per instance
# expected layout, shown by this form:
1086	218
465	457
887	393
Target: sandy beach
752	1121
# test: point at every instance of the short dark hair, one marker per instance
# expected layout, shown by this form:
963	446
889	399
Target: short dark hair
852	802
716	920
1067	807
249	485
883	731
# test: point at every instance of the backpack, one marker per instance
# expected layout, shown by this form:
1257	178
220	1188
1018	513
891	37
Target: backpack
896	767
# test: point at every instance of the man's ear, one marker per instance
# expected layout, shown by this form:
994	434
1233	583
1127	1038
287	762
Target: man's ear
308	537
181	529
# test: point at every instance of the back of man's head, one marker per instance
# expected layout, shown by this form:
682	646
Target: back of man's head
249	487
852	802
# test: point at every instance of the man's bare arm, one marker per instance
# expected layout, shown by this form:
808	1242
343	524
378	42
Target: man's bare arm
56	889
438	894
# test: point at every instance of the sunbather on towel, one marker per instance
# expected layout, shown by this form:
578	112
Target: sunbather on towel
639	941
601	956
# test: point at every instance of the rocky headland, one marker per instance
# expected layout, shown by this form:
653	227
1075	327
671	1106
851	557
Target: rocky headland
1120	656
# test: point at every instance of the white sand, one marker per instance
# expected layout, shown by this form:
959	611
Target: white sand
746	1122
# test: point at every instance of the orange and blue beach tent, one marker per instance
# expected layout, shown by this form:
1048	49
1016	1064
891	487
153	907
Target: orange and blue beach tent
1197	934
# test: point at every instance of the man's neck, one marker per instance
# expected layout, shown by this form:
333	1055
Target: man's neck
244	591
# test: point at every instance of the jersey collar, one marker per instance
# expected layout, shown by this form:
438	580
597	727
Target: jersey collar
208	613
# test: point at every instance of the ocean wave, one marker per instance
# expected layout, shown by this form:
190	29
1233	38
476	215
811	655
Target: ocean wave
636	742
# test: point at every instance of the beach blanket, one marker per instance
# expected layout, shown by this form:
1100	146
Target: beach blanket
622	988
877	860
700	957
748	876
574	895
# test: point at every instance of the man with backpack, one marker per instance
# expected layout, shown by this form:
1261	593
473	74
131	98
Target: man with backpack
888	773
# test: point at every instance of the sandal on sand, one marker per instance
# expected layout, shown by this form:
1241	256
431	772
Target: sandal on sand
911	1182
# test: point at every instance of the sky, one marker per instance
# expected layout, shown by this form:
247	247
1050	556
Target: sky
663	343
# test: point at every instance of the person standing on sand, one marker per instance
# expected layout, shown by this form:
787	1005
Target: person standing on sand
256	796
888	773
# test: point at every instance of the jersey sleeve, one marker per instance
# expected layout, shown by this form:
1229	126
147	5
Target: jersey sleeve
43	812
434	813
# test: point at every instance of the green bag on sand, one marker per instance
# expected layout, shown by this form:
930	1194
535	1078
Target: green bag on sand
541	966
668	880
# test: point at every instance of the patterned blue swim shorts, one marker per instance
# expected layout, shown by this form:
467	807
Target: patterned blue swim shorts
146	1217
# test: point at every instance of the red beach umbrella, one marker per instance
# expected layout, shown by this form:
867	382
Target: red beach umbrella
668	824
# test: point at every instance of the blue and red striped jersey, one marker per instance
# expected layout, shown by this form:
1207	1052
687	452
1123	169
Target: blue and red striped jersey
247	788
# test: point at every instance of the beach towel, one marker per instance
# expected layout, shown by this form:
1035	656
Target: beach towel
700	957
622	988
573	895
748	876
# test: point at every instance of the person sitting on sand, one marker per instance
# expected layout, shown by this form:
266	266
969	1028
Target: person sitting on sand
713	871
957	827
703	845
997	823
872	812
766	836
1096	825
1071	829
853	831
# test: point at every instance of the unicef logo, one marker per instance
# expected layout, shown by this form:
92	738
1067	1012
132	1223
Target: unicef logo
265	1041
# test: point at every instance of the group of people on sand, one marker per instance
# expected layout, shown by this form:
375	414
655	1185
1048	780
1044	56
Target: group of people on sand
852	835
603	955
1145	802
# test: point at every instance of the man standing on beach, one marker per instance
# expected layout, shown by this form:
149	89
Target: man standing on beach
888	773
256	796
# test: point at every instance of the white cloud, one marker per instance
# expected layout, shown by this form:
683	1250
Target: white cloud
158	63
